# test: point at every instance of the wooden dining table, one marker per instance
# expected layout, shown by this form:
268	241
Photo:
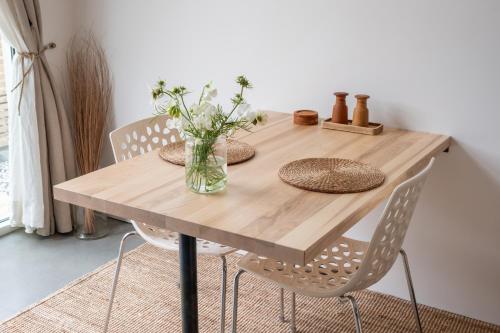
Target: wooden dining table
257	212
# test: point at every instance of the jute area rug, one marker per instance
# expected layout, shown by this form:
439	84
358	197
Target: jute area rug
147	300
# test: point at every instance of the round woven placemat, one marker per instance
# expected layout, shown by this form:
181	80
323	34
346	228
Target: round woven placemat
331	175
237	152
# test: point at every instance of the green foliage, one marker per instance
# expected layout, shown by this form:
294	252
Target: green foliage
213	122
205	123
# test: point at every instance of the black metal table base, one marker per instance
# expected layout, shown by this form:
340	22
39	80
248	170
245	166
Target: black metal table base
189	284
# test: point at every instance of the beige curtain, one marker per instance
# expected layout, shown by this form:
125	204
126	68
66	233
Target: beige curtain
40	141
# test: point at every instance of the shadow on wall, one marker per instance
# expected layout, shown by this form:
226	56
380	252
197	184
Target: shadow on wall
460	206
442	239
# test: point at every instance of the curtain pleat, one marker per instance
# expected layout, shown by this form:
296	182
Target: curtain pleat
40	140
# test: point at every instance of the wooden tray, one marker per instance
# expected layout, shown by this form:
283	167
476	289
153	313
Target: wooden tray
372	129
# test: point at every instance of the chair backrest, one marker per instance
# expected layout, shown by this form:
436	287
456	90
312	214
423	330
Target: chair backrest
142	136
390	232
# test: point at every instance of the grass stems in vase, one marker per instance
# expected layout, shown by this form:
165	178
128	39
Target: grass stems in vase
90	92
206	127
206	164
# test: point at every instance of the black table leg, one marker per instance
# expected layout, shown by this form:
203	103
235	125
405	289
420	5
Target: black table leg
189	284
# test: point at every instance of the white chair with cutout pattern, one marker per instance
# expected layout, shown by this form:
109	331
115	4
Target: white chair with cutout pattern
347	265
139	138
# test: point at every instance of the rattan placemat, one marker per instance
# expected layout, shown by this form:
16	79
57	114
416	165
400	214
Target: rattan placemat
237	152
331	175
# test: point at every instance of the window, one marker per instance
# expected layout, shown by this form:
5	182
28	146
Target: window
5	57
3	102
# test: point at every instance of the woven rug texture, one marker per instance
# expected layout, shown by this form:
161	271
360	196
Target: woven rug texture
147	300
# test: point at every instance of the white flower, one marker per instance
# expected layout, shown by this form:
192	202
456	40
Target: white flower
174	123
203	115
198	122
162	102
209	92
207	109
207	123
244	111
195	109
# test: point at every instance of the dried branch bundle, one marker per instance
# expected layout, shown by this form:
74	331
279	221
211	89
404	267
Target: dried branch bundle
90	88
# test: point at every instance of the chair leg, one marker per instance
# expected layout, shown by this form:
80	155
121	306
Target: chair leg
293	326
282	305
235	299
411	290
223	295
355	311
115	279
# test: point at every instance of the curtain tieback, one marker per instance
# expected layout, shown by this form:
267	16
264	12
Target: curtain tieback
31	56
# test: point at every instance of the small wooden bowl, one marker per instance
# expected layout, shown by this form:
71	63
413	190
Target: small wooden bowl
305	117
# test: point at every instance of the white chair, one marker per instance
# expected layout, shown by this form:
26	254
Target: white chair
138	138
347	265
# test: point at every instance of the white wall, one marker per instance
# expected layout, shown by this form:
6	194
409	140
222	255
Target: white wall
428	65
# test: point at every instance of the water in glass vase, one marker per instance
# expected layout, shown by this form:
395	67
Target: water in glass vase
206	164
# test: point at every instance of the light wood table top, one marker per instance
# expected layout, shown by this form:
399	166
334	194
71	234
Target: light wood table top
258	212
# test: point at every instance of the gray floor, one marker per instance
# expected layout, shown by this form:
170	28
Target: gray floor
4	153
33	267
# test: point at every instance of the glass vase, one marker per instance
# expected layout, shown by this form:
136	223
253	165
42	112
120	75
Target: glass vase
206	164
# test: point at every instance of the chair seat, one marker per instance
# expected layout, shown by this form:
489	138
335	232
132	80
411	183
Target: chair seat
169	240
324	276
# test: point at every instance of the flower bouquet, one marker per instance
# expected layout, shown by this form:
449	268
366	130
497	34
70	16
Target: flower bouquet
205	128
